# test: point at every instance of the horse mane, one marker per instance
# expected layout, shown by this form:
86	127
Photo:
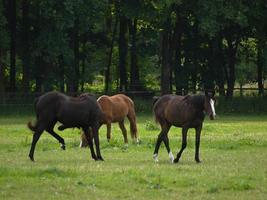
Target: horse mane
86	95
196	100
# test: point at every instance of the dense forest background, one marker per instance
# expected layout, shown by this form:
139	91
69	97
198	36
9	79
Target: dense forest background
110	46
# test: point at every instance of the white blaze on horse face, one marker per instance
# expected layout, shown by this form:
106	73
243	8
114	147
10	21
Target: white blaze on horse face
212	107
171	157
155	157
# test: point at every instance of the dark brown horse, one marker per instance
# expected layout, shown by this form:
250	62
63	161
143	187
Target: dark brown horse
185	112
115	109
81	112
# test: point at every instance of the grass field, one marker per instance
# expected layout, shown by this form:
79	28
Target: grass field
233	152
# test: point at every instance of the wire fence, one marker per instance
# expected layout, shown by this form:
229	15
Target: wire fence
246	100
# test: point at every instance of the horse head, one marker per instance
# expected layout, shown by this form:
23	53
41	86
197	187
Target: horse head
209	105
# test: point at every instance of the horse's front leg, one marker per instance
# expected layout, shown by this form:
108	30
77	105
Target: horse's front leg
90	141
96	139
108	131
184	143
198	133
166	142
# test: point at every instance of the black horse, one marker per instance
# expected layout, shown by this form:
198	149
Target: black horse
185	112
81	112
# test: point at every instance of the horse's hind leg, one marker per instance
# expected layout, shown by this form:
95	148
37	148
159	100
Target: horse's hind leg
90	141
166	142
96	139
51	131
124	131
184	143
162	137
38	131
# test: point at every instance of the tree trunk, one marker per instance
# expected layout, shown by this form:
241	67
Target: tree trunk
220	75
12	20
123	50
134	72
232	49
177	52
76	55
25	46
260	65
165	63
62	73
39	74
107	73
2	75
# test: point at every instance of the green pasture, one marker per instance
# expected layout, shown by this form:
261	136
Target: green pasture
233	153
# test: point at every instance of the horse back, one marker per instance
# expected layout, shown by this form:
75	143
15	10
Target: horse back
116	107
174	109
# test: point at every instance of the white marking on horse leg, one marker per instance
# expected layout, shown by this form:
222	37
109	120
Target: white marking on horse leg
171	157
212	107
81	143
155	157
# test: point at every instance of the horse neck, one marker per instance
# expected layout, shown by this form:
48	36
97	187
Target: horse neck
198	102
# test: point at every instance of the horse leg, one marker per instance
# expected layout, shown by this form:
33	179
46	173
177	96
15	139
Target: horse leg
35	138
132	119
124	131
90	142
166	142
164	131
108	131
96	139
184	143
51	131
84	142
198	132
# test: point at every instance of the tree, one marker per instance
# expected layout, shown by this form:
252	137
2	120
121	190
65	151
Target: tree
11	15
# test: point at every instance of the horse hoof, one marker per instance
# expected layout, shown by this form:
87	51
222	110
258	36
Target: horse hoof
176	160
198	161
155	157
32	159
63	147
171	157
100	159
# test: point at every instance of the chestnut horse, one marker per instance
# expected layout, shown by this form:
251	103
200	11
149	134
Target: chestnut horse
185	112
115	109
81	112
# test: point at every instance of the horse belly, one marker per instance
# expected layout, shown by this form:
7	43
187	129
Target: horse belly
73	118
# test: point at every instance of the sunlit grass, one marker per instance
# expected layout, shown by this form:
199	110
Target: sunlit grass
233	153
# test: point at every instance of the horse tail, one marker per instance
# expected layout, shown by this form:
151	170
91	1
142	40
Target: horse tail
31	126
155	99
132	119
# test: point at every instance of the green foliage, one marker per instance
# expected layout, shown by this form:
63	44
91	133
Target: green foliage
70	41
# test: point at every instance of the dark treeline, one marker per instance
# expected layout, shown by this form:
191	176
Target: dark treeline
132	45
